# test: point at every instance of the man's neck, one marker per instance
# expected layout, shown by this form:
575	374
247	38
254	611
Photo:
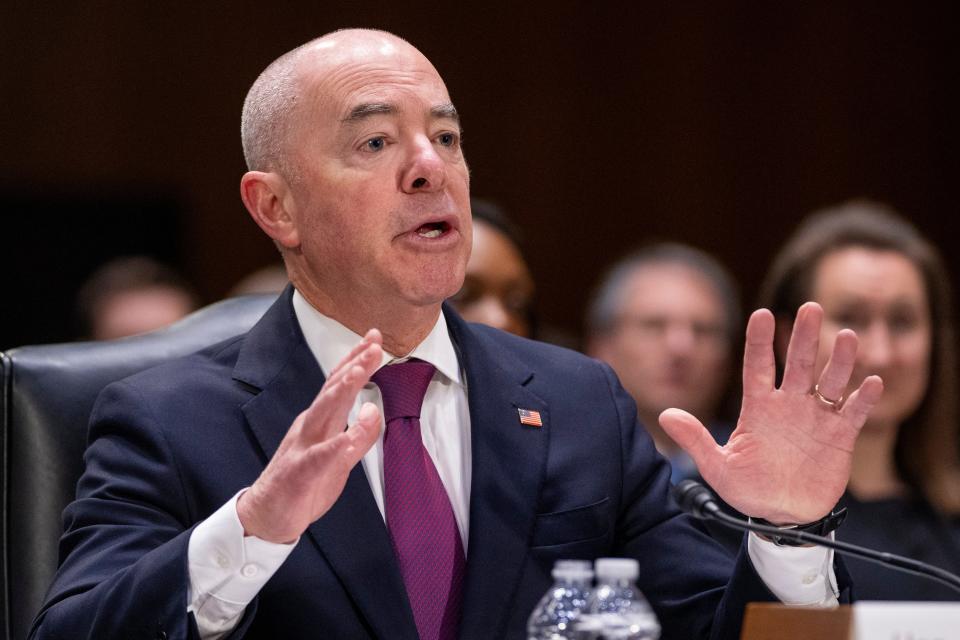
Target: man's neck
403	327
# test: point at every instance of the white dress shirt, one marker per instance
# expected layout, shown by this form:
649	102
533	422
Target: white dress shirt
228	569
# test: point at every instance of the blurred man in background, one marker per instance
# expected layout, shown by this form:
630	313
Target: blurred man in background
268	279
132	295
664	318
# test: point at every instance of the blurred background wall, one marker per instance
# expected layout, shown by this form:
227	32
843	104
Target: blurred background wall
595	126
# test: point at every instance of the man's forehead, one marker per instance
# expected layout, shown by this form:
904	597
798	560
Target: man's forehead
364	82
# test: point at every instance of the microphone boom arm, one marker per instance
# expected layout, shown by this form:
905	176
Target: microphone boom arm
697	500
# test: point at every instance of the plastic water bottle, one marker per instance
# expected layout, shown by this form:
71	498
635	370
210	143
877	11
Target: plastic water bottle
616	610
555	614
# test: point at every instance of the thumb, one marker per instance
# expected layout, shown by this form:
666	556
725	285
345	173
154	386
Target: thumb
693	437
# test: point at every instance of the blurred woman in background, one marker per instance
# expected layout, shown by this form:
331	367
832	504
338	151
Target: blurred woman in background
498	288
873	272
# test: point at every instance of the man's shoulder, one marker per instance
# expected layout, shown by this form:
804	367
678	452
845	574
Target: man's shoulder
195	374
539	356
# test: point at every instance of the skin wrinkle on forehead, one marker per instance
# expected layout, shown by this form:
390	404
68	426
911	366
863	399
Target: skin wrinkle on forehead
351	105
352	70
367	110
345	68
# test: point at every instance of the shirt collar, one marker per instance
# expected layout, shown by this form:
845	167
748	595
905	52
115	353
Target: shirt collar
330	341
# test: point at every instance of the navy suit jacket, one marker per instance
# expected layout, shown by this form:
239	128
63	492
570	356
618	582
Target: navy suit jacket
171	445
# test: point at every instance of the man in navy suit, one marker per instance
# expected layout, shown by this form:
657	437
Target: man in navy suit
222	495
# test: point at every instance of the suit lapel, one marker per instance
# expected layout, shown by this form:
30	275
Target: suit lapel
508	460
352	536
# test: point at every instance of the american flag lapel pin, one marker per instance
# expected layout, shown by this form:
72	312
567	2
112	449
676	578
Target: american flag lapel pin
530	418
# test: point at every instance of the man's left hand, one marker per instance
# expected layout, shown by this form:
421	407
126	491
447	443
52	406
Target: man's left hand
788	461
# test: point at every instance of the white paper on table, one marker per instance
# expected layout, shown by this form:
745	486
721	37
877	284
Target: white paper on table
906	621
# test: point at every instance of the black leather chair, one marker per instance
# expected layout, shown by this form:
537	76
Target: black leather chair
47	394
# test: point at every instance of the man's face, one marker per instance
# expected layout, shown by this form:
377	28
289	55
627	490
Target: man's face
380	193
669	346
129	313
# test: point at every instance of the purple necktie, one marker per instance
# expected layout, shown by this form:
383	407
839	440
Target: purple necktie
419	516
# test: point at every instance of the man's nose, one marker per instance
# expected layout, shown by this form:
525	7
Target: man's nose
680	337
425	170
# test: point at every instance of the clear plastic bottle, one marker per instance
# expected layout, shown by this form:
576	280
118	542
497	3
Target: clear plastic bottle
616	610
555	614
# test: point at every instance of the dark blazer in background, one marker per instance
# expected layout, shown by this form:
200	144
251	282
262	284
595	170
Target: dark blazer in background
171	445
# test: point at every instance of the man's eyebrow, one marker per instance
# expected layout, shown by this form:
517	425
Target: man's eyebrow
369	109
446	110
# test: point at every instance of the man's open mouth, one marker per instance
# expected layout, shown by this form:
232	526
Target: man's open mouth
433	229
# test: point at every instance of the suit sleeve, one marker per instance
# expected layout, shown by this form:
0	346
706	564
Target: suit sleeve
695	587
123	555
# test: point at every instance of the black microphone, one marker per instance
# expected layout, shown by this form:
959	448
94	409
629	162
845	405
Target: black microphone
698	501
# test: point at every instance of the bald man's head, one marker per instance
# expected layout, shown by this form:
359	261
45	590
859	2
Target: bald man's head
357	174
269	111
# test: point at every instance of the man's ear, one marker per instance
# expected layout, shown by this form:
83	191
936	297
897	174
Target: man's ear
268	199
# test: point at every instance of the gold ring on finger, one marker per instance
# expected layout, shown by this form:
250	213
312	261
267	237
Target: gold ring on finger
833	404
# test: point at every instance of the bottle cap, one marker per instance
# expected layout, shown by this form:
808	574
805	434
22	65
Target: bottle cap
617	568
572	570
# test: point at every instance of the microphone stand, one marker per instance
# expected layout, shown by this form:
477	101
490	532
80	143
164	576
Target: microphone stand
697	500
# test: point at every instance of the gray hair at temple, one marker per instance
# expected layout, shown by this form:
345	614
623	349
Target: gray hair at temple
266	118
607	300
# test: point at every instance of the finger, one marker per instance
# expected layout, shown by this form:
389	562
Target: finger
759	366
836	375
368	359
858	405
802	351
357	353
373	336
362	434
328	413
368	420
693	437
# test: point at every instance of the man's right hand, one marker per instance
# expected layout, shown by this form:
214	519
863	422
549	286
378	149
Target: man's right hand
308	472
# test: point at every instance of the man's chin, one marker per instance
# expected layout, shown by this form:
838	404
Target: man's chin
432	287
427	297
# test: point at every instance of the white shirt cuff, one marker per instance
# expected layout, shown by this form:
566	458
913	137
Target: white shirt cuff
796	575
227	570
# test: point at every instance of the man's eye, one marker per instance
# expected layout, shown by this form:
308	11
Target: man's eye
851	320
375	144
447	139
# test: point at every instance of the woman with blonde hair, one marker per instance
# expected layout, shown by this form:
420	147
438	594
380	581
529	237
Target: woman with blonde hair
873	272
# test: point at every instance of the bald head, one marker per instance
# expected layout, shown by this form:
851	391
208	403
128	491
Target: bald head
270	110
358	176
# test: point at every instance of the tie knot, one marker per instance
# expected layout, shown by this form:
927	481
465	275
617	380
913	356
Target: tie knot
402	386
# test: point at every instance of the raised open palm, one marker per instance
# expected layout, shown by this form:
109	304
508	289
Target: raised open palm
788	461
307	474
